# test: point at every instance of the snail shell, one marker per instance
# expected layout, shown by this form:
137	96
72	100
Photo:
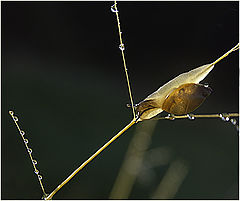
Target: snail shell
182	100
186	98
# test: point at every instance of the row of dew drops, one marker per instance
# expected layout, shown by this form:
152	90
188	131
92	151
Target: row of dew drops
224	117
114	10
25	140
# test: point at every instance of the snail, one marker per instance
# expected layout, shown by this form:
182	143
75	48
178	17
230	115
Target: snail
182	100
181	95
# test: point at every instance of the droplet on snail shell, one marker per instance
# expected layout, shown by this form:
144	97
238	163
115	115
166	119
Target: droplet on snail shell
182	100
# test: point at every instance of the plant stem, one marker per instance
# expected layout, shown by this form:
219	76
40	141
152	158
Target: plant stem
226	54
123	58
29	150
91	158
197	116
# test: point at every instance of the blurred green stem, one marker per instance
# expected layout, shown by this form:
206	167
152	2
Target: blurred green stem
133	161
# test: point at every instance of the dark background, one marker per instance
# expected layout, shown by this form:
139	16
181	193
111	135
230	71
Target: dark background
62	74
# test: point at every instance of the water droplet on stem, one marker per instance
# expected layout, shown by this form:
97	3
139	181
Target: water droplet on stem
34	162
224	117
114	9
121	47
234	121
190	116
171	117
29	150
11	112
15	118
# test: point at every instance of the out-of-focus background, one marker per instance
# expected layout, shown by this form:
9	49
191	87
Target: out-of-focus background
62	75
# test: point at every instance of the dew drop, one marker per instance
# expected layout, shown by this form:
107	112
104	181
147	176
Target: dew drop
121	47
25	141
137	115
22	133
29	150
190	116
170	117
11	112
34	162
15	118
224	117
39	177
233	121
206	85
113	8
36	172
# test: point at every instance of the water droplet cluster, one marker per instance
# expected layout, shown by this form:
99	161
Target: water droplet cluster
225	117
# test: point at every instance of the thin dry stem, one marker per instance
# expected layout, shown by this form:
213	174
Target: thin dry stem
90	159
187	116
123	58
133	160
15	119
226	54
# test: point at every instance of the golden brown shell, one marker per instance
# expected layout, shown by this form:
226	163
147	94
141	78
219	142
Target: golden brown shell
182	100
186	98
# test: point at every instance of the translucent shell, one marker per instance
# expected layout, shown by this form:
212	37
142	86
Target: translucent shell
153	104
186	98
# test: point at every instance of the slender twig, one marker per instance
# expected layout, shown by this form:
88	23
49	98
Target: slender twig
122	48
191	116
29	150
226	54
90	159
133	160
236	47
